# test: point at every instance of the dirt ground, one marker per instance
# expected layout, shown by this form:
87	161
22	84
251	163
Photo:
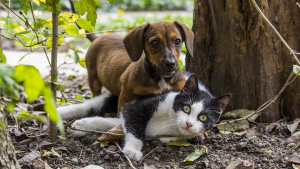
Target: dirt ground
266	150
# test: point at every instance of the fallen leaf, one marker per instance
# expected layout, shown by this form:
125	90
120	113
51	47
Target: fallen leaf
26	141
149	166
293	127
93	167
294	138
295	166
241	164
15	131
294	158
116	130
40	145
196	154
29	157
45	154
239	113
271	126
38	163
249	132
179	143
235	126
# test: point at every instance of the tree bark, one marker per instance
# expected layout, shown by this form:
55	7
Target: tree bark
53	126
237	52
8	159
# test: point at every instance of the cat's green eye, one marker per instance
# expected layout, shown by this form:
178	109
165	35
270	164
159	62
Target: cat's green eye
186	109
203	118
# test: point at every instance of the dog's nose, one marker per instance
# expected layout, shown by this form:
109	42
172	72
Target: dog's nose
169	63
188	124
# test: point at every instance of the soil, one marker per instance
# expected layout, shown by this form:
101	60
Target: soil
267	150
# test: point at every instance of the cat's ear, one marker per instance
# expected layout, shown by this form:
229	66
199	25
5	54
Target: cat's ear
221	102
191	85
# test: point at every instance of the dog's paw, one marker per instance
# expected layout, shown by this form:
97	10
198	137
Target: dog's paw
133	154
79	124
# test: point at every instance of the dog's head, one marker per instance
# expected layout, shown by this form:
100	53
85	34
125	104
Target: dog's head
161	41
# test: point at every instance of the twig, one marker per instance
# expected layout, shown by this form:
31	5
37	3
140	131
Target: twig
96	132
71	122
149	153
125	155
98	32
292	52
265	105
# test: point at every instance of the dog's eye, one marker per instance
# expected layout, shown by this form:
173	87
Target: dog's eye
154	43
186	109
177	42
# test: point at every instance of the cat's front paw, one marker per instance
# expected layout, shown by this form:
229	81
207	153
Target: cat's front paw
133	154
79	124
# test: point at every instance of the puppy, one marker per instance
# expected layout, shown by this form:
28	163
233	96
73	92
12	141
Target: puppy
143	63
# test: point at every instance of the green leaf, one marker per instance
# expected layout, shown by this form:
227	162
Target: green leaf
78	97
88	6
39	23
180	63
58	8
32	43
60	40
55	152
179	143
49	41
23	57
104	143
196	154
50	109
32	80
82	62
2	57
25	5
84	24
72	30
296	70
111	2
74	55
23	32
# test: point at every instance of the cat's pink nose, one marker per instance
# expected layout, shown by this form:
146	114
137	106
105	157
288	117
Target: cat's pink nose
188	124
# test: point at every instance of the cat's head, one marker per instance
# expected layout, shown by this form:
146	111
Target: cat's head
197	111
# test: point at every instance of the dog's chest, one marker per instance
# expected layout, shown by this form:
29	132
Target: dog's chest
163	86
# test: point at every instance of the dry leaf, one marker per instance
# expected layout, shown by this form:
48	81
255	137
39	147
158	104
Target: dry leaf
149	166
294	138
271	126
38	163
29	157
294	158
116	130
241	164
293	127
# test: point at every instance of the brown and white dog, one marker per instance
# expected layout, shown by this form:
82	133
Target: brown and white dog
143	63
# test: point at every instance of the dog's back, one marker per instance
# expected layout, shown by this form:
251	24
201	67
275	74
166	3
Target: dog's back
106	60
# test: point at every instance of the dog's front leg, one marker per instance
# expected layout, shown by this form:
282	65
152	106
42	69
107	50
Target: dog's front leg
123	99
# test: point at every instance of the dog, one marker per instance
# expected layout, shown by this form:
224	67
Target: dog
143	63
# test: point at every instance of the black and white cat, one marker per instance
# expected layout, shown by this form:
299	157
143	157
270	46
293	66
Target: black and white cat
182	114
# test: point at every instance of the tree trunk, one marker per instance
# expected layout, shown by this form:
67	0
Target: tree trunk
237	52
8	159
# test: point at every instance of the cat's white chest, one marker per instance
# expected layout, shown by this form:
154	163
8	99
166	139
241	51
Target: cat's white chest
163	121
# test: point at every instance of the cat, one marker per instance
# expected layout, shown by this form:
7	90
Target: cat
183	114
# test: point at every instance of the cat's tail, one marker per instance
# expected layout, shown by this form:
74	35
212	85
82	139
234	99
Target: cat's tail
97	106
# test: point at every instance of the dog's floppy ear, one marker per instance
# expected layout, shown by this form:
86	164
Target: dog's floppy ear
187	35
134	41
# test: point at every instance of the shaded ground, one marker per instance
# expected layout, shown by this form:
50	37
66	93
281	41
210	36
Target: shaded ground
266	150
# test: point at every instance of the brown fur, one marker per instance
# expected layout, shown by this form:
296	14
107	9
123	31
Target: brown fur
131	68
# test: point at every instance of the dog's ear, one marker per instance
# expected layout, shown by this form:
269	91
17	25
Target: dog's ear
134	41
187	35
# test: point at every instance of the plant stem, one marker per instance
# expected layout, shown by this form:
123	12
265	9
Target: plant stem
8	16
53	127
